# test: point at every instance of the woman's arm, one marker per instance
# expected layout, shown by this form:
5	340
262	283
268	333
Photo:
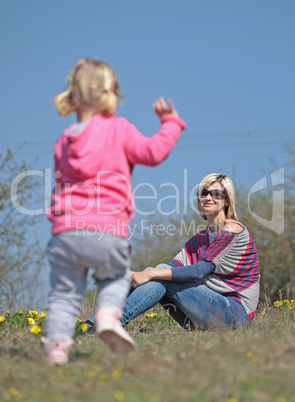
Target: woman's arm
189	273
139	278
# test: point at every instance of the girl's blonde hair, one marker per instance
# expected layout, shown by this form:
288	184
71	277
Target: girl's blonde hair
92	84
229	189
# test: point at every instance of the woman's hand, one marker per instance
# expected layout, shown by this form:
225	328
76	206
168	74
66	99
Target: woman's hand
162	110
139	278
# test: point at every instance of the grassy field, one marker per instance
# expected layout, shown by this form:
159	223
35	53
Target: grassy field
168	364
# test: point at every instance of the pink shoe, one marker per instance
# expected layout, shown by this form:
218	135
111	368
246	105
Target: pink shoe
57	352
110	330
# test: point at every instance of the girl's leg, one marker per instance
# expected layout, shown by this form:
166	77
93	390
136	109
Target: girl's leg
204	307
111	258
112	293
68	288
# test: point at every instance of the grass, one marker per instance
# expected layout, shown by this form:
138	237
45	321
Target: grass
168	364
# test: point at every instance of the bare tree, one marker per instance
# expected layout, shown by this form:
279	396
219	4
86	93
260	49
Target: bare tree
19	251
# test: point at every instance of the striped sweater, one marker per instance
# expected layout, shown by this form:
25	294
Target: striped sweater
236	262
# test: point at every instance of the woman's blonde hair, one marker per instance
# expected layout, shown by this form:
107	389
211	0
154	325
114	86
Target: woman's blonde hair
229	189
92	84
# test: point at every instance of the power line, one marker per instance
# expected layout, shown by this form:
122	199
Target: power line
248	132
184	138
199	146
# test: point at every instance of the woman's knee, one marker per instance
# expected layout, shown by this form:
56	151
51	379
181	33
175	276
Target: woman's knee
148	268
159	266
162	266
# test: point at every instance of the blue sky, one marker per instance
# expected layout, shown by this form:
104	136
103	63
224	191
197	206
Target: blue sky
228	65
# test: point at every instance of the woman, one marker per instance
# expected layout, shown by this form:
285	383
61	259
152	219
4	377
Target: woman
214	280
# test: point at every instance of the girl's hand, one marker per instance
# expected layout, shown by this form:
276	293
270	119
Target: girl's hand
139	278
162	110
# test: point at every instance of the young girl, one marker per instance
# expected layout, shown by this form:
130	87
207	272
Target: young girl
92	204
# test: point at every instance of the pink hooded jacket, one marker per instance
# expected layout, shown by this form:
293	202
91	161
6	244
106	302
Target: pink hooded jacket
93	170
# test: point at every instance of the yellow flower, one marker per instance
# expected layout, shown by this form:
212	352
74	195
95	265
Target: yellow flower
116	373
31	321
31	312
278	303
42	314
2	318
96	367
35	329
84	327
7	313
103	376
78	319
14	392
119	396
249	354
152	315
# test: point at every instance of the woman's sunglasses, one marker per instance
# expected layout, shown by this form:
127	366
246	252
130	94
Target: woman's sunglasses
215	194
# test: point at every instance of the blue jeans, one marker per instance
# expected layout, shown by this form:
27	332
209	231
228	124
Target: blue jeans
195	302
